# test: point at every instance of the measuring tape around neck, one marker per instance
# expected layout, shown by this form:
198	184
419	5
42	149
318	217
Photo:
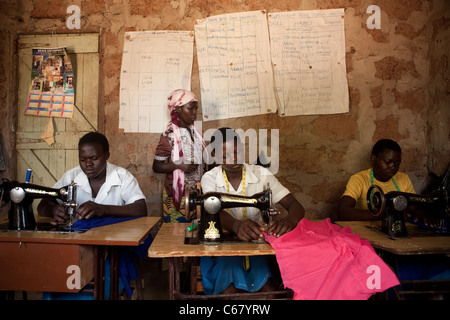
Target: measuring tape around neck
245	259
371	180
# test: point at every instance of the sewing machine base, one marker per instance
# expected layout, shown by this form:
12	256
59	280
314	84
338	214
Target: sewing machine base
413	230
394	225
227	238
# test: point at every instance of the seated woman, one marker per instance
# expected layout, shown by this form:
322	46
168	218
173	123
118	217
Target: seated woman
104	188
251	274
386	157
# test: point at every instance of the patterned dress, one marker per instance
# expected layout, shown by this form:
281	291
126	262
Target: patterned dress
192	152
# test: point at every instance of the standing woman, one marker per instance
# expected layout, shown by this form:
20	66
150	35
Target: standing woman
179	155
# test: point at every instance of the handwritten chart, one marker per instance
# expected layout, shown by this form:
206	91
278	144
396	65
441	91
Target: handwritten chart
154	63
308	55
235	66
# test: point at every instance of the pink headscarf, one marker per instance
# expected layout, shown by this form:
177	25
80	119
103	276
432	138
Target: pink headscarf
179	97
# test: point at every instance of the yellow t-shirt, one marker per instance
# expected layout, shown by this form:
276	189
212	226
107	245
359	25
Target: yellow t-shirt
359	184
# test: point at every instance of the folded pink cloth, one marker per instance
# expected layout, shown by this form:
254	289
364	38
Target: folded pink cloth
322	261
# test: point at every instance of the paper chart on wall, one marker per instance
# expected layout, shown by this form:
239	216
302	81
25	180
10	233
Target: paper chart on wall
308	55
154	63
235	69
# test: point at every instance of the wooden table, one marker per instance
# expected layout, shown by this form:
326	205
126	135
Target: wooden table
419	241
39	261
169	243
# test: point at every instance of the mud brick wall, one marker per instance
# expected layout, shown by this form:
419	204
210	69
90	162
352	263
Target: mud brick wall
398	78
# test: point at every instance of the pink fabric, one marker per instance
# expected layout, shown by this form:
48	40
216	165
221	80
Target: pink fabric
179	97
322	261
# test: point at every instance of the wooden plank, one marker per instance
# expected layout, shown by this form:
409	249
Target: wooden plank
71	158
54	161
90	92
43	267
169	242
87	42
126	233
63	140
414	244
28	160
50	162
86	99
23	122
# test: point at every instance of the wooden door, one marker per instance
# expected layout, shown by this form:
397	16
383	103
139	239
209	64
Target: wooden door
50	162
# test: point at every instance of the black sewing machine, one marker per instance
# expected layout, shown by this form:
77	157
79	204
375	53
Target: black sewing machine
391	207
21	196
211	203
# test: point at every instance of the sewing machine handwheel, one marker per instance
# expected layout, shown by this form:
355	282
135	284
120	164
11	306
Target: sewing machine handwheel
375	200
189	204
186	198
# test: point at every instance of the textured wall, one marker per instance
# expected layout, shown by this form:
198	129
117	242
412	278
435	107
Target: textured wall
398	79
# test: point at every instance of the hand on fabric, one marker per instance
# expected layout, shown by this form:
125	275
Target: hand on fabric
278	228
248	230
420	216
59	215
90	209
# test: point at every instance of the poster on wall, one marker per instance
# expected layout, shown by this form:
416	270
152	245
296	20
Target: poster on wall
308	55
154	63
51	91
235	66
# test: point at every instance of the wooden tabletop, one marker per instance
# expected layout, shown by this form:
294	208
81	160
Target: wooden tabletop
169	242
418	241
126	233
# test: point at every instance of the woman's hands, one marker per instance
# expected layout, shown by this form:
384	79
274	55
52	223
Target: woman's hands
248	230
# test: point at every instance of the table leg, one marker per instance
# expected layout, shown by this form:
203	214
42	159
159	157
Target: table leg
99	272
174	278
114	273
171	278
193	275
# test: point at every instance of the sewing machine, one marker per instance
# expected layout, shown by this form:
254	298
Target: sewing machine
21	196
211	203
391	207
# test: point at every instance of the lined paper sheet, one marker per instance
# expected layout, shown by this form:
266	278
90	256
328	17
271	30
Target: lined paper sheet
154	63
308	55
235	66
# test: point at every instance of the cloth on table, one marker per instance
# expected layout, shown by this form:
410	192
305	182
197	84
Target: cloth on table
322	261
